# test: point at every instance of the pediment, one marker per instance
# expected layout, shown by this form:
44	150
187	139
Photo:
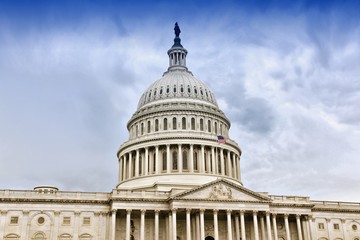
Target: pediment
222	190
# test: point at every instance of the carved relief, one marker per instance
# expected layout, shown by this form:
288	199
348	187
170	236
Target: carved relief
220	192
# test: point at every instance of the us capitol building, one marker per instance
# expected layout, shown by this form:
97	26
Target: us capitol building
179	179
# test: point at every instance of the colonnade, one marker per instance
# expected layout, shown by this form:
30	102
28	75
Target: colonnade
236	223
178	158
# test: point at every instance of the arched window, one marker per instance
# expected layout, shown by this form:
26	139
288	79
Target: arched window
209	126
142	128
174	88
12	236
174	123
183	123
182	88
156	125
165	124
39	236
201	124
148	127
192	123
215	126
221	129
195	161
137	130
65	236
85	236
185	160
164	161
175	160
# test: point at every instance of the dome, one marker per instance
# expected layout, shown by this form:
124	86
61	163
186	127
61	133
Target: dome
180	85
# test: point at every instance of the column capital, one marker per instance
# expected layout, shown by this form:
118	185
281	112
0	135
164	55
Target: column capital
328	219
156	211
228	211
216	211
286	215
128	211
143	211
77	213
56	213
274	215
157	147
188	210
173	210
255	213
343	220
267	213
113	210
298	216
25	212
202	210
96	214
242	212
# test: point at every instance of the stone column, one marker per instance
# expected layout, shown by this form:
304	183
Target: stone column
56	226
242	225
188	224
157	162
208	160
311	226
180	163
124	169
156	225
137	163
229	164
213	162
256	228
287	229
268	226
222	161
327	228
216	227
237	230
202	226
275	227
142	224
343	220
128	216
191	165
25	224
146	167
170	225
262	227
298	225
174	232
168	166
76	225
130	165
113	224
229	228
120	169
202	159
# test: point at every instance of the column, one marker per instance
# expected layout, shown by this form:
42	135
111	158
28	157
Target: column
120	170
234	168
262	226
76	225
180	162
128	215
229	164
343	220
130	165
202	227
328	227
237	230
157	163
124	169
156	225
311	226
188	228
229	228
287	229
170	225
298	225
242	225
202	159
142	224
25	224
268	226
213	160
222	161
56	225
113	224
197	222
275	227
191	164
137	163
174	233
256	228
168	166
216	227
208	162
146	167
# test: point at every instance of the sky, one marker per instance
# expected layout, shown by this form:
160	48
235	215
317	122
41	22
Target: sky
286	74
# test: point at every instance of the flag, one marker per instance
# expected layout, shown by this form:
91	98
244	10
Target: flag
221	139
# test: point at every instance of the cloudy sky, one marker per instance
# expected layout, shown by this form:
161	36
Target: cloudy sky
286	73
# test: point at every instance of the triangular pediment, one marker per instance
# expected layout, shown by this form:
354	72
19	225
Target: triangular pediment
222	190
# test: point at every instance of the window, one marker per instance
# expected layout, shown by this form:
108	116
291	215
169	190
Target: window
321	226
142	128
164	161
148	127
86	221
165	123
185	160
66	221
354	227
182	89
192	123
195	161
215	126
12	236
174	88
195	90
65	236
168	89
41	220
201	124
156	125
14	220
209	126
189	90
39	236
85	236
175	160
336	226
137	130
183	123
219	163
174	123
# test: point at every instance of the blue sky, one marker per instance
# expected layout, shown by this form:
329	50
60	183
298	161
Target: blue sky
286	73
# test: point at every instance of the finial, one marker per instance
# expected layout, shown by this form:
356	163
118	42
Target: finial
177	30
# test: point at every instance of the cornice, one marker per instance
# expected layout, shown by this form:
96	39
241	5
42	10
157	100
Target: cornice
62	201
300	205
317	209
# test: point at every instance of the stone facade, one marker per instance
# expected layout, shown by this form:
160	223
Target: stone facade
179	178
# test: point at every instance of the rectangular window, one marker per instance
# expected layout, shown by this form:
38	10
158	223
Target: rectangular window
321	226
14	220
86	221
66	220
336	226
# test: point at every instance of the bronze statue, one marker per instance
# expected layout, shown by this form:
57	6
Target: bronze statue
177	30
